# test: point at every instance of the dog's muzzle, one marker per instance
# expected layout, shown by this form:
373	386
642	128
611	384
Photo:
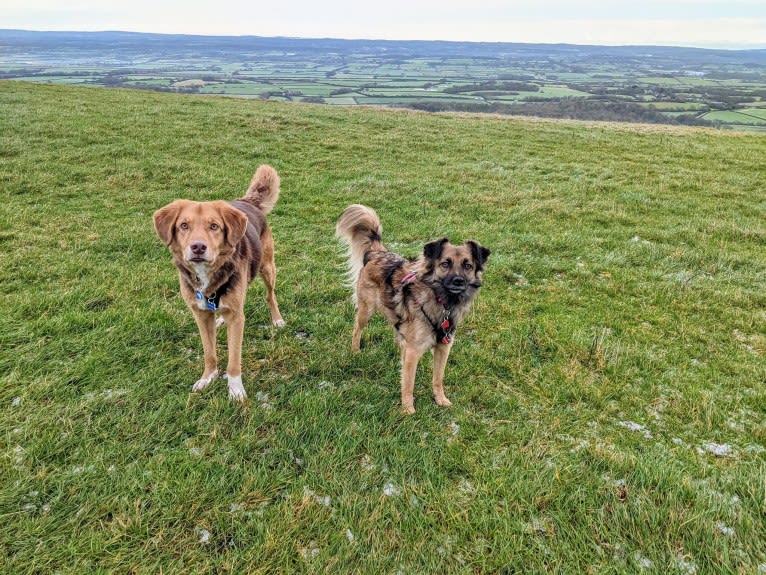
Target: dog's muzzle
455	284
197	252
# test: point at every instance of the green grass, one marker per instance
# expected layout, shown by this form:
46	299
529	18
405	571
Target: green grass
751	116
618	340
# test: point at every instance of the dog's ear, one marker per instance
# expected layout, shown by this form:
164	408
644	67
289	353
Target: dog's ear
433	250
234	223
480	253
165	221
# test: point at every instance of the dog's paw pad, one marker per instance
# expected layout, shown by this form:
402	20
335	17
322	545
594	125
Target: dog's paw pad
203	382
236	389
279	323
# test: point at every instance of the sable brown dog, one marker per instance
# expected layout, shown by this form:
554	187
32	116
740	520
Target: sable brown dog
423	299
218	248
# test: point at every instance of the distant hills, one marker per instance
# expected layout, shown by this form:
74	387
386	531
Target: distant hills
126	46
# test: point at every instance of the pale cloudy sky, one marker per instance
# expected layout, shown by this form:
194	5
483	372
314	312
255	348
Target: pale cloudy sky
703	23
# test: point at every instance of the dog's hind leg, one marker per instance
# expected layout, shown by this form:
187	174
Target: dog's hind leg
363	313
269	274
441	353
206	324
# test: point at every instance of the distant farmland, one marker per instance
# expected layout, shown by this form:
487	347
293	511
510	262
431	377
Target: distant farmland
634	84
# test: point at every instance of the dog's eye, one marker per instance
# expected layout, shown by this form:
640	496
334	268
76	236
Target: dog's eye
467	266
445	265
184	226
214	227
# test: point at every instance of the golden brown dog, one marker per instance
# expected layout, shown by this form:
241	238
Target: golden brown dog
423	299
218	248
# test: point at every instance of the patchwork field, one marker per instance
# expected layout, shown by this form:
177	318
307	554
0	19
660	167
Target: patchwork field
619	83
609	387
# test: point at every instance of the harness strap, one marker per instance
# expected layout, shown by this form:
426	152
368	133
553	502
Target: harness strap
445	329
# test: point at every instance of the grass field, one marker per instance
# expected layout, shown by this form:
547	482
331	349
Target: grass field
609	387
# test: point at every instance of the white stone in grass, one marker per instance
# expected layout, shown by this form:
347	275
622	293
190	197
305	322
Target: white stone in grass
688	567
762	568
454	428
642	561
637	427
264	400
204	536
367	463
325	385
724	529
16	401
718	449
323	500
310	552
349	536
391	490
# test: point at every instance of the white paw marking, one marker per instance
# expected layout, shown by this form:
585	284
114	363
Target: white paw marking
219	322
279	323
202	383
236	389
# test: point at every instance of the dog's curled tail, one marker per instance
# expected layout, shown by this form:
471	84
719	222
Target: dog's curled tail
264	188
360	229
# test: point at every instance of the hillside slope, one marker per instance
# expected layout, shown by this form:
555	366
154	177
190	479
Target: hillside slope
608	388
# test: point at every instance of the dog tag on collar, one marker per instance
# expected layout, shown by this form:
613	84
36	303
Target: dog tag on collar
209	302
445	324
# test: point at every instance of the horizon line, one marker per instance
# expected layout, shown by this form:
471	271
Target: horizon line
362	39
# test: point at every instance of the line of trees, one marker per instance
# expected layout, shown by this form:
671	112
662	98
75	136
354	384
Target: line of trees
567	108
493	86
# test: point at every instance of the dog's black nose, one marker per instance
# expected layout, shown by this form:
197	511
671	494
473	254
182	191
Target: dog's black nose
455	284
198	248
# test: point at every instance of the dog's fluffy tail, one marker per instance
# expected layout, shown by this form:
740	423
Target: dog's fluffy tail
264	189
360	229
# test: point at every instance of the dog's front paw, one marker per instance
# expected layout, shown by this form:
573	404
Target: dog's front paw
408	409
279	322
219	321
443	401
236	389
203	382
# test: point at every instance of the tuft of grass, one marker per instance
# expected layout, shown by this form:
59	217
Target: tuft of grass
608	388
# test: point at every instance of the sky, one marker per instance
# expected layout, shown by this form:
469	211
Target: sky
701	23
